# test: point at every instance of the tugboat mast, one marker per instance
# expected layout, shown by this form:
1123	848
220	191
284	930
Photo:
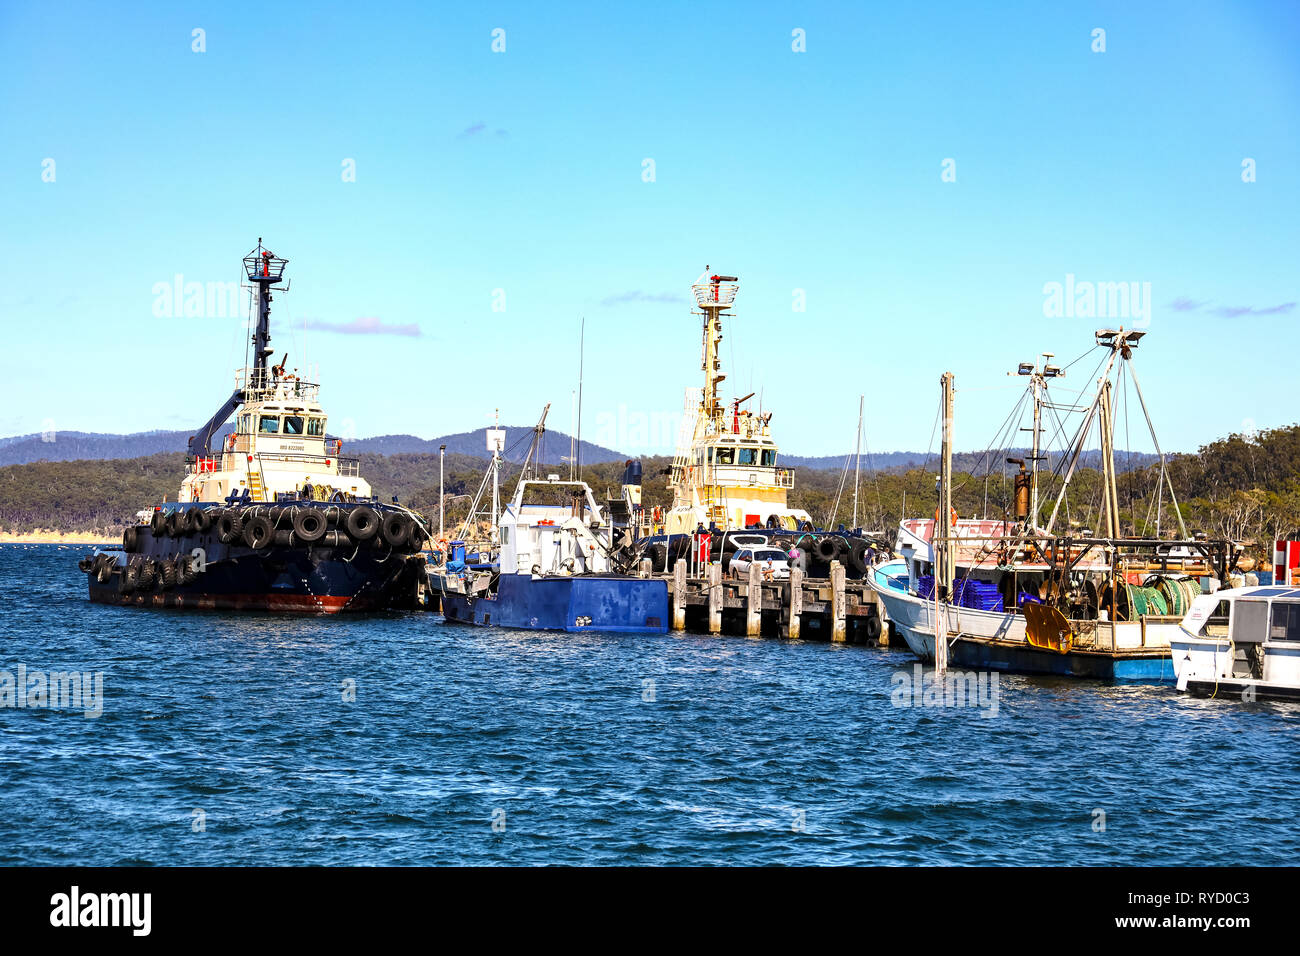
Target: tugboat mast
713	297
265	269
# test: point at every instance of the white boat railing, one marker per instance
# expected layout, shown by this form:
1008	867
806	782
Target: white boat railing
714	295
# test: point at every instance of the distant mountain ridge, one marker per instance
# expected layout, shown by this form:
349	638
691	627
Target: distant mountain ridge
92	446
73	446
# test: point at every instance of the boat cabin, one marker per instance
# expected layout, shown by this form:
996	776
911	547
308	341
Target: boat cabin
554	527
279	446
1250	633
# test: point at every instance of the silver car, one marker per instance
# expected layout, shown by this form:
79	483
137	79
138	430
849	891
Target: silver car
773	563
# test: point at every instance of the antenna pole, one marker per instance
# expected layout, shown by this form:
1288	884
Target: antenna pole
857	468
943	530
582	347
496	475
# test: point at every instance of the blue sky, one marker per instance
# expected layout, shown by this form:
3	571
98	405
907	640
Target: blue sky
522	171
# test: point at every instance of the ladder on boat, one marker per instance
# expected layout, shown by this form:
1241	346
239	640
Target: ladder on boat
255	487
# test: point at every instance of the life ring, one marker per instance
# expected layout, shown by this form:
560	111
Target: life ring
952	514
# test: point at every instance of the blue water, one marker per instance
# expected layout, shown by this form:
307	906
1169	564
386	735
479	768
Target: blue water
751	751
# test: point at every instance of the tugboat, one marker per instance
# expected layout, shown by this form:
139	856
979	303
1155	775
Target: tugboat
724	474
273	519
558	565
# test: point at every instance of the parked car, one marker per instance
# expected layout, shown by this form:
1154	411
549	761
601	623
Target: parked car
773	563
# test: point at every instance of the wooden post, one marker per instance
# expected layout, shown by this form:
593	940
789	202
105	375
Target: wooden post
679	595
837	601
715	598
795	608
754	601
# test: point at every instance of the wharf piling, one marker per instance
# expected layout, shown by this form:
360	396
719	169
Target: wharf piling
834	608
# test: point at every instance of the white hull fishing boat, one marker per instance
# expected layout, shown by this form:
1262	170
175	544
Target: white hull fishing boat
1241	644
1011	595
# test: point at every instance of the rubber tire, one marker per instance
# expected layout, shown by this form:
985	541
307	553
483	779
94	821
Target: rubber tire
873	628
131	538
198	521
105	569
147	576
258	532
419	539
396	530
175	523
167	575
309	524
86	564
129	576
230	527
362	523
858	556
826	549
158	524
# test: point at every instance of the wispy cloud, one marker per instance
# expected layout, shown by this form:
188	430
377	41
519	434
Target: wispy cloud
368	325
1233	311
1186	304
636	295
479	130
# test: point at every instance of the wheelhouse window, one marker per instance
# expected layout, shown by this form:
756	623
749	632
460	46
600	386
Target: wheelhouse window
269	425
1285	625
769	458
293	424
245	424
748	456
316	427
726	456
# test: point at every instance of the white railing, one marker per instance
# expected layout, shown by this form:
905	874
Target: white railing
714	295
285	389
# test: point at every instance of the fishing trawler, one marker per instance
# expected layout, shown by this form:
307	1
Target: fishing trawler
1011	595
725	472
274	518
557	564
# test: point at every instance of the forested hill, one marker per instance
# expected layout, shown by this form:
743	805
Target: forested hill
1246	487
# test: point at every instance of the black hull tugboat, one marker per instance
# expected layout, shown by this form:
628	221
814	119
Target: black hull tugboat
273	519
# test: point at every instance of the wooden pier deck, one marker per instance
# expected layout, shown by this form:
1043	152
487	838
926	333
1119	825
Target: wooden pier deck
832	608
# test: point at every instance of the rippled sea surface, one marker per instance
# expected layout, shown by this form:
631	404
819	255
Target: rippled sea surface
595	749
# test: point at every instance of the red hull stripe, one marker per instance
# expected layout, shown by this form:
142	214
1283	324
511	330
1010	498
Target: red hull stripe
289	603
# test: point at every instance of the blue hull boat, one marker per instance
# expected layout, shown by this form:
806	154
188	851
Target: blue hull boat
603	602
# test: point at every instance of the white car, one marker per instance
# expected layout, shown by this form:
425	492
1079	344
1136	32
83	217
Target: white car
773	563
